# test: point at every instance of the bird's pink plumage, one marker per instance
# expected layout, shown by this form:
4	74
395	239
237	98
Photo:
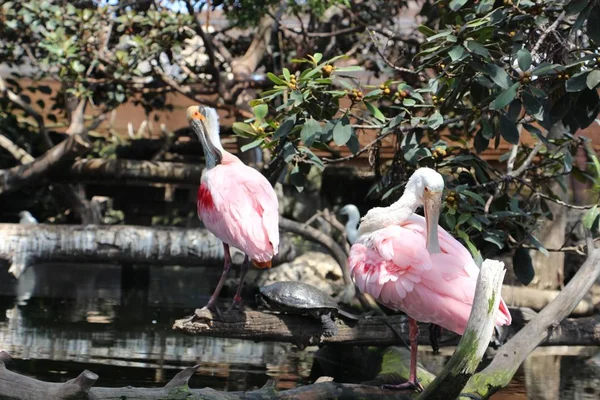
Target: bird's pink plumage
394	266
239	206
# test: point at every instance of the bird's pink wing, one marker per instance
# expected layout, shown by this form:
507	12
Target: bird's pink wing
245	210
388	264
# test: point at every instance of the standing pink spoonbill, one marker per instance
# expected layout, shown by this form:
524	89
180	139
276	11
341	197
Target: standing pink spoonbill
409	263
235	202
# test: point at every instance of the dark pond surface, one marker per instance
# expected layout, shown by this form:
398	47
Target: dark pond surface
58	320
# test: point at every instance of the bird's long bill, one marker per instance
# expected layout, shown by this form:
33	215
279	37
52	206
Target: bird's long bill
432	202
211	153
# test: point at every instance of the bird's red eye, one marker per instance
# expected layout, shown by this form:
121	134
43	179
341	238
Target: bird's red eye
426	188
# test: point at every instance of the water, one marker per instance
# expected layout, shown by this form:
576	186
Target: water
58	320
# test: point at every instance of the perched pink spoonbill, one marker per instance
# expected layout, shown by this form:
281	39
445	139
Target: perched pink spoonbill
235	202
409	263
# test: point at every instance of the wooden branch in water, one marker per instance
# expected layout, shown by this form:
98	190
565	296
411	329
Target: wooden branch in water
372	331
21	175
465	360
24	245
16	386
545	324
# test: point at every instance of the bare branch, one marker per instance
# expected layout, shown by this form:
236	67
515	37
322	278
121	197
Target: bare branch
18	153
14	98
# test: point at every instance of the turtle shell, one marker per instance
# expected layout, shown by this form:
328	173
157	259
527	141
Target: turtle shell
297	295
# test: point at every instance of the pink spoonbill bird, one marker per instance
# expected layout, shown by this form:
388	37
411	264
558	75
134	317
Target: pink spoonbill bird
409	263
235	202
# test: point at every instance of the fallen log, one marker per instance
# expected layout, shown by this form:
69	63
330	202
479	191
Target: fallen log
370	331
24	245
16	386
537	299
16	177
125	171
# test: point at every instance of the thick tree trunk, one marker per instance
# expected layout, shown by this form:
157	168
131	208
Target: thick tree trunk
99	169
24	245
55	158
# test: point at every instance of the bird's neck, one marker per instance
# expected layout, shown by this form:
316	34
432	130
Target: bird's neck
395	214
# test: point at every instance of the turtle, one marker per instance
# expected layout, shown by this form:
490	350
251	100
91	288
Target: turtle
303	299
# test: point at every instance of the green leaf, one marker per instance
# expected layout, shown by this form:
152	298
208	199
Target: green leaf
285	128
498	75
408	102
435	120
485	6
425	30
533	106
480	142
545	69
587	108
342	131
593	24
523	266
456	5
538	133
591	219
477	48
576	6
524	59
534	241
286	74
375	111
309	132
243	129
253	144
260	111
317	57
296	97
275	79
474	251
508	130
474	196
505	97
456	53
593	79
352	68
577	82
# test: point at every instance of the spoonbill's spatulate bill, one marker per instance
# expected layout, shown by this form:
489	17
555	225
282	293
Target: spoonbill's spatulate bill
235	202
409	263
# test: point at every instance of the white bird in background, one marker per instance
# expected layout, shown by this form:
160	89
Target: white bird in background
352	224
27	218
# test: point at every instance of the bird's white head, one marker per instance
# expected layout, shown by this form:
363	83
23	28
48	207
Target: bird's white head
427	185
204	121
350	210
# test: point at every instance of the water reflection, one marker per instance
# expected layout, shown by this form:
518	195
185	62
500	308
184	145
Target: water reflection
60	319
116	321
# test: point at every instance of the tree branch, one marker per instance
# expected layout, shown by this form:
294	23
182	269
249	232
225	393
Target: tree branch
14	98
512	354
25	245
21	175
18	153
465	360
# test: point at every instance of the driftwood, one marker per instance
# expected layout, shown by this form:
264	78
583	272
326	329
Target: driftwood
372	331
465	360
14	386
545	324
24	245
16	177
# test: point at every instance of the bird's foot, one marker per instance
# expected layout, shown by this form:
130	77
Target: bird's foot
409	385
212	307
236	305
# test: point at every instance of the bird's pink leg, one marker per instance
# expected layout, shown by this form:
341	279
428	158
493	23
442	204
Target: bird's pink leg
412	383
211	305
237	299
